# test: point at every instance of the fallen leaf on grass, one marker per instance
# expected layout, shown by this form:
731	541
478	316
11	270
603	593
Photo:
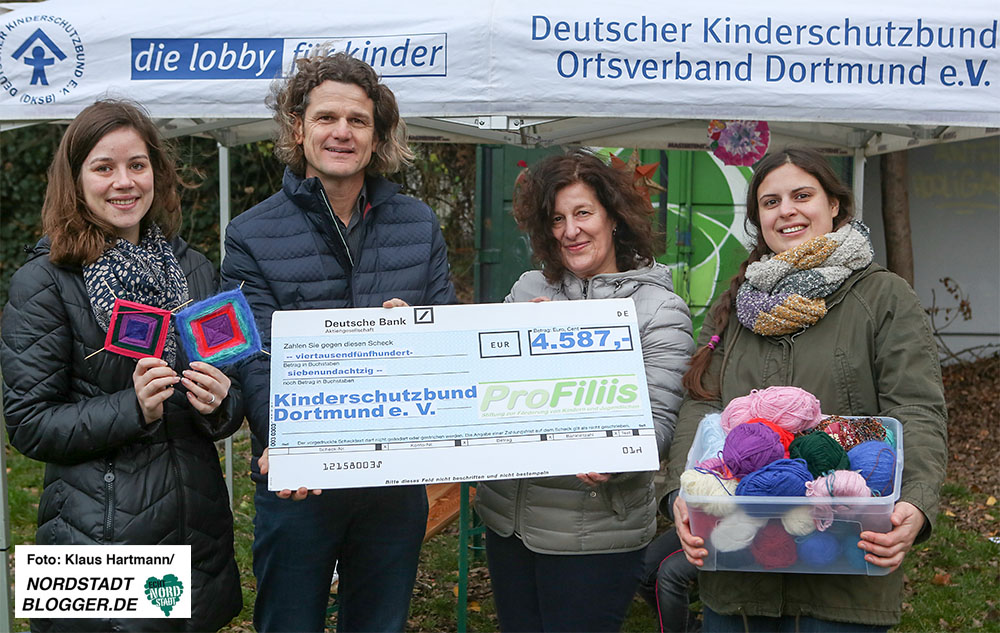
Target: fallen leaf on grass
949	513
474	607
976	624
989	517
941	579
992	501
454	590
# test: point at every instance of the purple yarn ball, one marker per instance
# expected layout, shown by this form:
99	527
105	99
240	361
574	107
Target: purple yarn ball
750	447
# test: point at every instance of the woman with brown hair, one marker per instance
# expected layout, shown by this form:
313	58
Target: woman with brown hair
566	553
810	308
128	445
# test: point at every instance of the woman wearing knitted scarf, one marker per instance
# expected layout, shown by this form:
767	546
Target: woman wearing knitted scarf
128	444
813	310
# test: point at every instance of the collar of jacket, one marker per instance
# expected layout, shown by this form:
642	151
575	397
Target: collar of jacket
613	285
306	192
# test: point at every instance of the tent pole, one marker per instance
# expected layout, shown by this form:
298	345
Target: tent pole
224	204
6	606
859	181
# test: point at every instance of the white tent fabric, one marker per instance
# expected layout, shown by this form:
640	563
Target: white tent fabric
846	76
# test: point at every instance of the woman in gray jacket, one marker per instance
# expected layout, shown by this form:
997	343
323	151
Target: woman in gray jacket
566	553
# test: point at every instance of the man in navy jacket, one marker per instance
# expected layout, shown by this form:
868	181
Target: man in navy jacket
337	235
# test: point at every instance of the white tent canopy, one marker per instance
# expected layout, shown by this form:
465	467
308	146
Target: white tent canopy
854	77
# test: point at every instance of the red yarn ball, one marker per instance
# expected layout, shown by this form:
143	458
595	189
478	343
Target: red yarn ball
783	435
773	548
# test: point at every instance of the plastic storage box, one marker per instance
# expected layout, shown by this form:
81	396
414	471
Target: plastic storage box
834	553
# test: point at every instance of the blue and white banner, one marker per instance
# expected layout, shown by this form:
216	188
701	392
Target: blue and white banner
886	62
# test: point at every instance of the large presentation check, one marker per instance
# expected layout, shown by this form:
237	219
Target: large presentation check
415	395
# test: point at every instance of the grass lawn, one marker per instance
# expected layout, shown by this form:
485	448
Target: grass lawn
953	580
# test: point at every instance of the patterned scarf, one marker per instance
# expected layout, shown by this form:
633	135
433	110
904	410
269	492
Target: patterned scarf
787	292
147	272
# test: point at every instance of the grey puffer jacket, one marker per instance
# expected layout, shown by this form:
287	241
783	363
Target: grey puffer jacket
110	478
563	515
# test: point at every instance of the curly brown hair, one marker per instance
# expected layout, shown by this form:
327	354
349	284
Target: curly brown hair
535	197
77	234
289	99
809	161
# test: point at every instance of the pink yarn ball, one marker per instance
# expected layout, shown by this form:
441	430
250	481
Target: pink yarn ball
737	412
839	483
791	408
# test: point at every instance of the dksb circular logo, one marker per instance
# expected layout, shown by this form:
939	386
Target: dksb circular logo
42	59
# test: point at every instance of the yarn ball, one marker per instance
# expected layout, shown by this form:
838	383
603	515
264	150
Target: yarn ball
780	478
821	452
798	521
855	555
712	436
791	408
773	548
714	464
735	531
839	483
784	436
876	461
737	412
749	447
819	549
890	437
702	483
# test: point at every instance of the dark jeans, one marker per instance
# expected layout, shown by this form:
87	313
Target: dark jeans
666	579
552	592
373	533
715	623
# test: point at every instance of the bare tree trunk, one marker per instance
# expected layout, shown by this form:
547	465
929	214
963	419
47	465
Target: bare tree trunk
896	215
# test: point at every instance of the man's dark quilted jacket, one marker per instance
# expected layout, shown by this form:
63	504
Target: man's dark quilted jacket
109	477
289	255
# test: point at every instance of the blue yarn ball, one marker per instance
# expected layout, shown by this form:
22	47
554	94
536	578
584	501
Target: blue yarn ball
890	436
855	555
819	549
876	461
780	478
712	435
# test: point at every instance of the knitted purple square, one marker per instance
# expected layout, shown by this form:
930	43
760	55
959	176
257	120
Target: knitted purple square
138	329
217	330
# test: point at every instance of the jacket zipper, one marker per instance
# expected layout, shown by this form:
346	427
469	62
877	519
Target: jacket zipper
517	506
586	287
181	537
109	501
336	227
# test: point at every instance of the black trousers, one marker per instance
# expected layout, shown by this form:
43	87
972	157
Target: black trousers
552	592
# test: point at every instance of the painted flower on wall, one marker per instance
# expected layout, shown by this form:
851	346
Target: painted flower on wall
739	142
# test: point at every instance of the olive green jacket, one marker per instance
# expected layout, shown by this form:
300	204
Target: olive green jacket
872	354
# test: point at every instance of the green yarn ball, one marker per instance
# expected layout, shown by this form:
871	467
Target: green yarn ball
821	452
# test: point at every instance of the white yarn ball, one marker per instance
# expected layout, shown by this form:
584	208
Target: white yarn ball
698	484
799	521
735	532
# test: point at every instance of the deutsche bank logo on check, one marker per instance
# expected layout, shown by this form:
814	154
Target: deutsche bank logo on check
406	55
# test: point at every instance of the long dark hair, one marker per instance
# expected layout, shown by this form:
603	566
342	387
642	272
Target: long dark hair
535	199
78	236
809	161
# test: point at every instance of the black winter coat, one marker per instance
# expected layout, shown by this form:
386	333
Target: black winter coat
109	477
289	255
